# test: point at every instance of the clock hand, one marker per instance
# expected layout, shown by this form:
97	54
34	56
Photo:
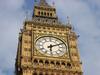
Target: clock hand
57	44
54	45
50	48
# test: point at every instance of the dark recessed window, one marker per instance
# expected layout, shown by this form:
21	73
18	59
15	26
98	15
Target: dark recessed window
68	64
41	73
46	74
39	13
52	62
35	61
46	62
43	27
34	73
54	21
52	74
57	63
63	63
45	13
50	14
54	10
41	61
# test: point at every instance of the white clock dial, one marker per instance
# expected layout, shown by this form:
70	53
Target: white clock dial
51	46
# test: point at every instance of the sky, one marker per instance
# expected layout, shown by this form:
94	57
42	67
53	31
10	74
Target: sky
85	19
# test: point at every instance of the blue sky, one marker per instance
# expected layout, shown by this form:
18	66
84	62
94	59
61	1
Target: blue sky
84	16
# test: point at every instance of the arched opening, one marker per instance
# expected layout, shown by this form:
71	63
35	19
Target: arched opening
41	73
45	13
42	13
47	62
35	61
52	74
57	63
63	63
69	65
34	73
51	14
46	74
52	62
39	13
54	21
41	61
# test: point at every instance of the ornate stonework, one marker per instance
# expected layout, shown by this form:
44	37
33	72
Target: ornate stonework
56	53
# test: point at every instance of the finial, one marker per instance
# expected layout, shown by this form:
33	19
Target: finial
69	23
26	15
53	3
42	1
68	20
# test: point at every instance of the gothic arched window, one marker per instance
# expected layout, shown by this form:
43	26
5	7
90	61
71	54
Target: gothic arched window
47	62
45	13
39	13
34	73
35	61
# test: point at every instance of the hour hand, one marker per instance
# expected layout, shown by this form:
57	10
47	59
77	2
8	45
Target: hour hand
50	48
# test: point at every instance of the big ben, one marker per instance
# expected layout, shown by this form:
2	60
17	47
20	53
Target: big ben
46	46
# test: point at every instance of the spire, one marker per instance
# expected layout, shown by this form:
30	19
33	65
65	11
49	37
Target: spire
69	23
43	3
26	15
68	20
53	3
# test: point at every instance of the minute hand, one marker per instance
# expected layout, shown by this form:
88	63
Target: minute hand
57	44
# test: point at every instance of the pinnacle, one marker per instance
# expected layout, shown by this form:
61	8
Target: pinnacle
43	3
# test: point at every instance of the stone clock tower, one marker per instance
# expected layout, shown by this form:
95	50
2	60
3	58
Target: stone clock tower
46	46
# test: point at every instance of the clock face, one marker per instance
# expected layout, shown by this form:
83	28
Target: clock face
51	46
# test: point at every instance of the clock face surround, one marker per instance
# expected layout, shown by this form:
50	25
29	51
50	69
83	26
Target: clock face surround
51	46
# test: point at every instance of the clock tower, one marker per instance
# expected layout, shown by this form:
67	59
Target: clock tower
46	46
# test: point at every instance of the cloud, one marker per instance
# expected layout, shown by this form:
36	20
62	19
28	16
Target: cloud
11	4
1	73
95	3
